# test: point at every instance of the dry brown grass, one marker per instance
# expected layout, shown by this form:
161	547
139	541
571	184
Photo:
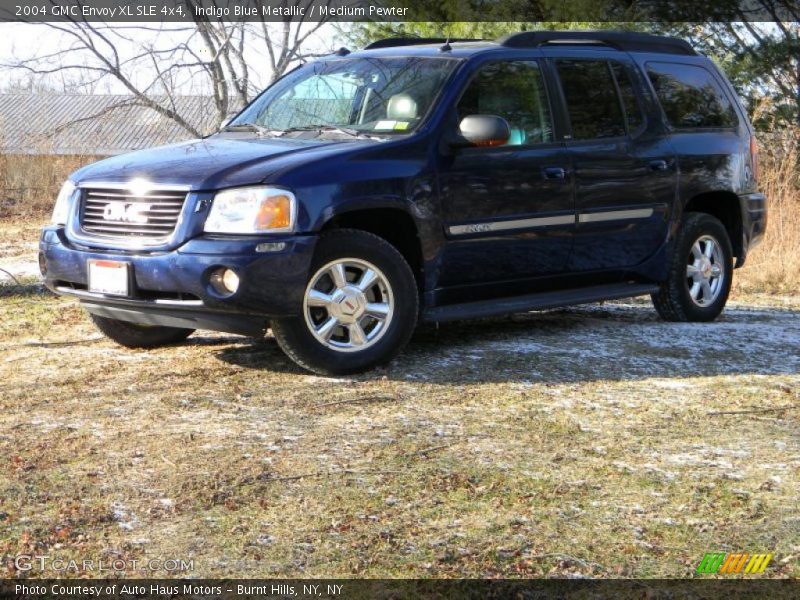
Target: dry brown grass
29	183
774	265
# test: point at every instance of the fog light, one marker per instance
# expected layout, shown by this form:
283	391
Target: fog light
230	280
42	264
225	281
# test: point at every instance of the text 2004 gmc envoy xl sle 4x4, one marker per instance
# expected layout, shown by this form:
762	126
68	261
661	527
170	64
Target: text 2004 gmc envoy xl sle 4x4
433	181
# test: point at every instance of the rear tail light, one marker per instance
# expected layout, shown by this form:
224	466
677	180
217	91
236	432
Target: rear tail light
754	156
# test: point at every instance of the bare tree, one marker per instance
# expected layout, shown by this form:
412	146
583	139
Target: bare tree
228	61
762	59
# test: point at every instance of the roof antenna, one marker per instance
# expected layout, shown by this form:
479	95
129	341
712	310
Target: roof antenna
447	47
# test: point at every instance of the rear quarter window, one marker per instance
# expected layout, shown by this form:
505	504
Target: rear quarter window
690	96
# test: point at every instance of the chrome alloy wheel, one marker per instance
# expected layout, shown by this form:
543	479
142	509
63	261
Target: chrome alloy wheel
348	305
705	271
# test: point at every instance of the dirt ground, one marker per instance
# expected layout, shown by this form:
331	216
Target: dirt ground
595	441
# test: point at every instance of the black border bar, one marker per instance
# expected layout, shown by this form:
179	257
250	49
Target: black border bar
110	11
397	589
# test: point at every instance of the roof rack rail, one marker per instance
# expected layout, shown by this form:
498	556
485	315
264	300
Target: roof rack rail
414	41
620	40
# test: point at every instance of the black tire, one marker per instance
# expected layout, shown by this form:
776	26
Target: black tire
294	335
674	301
132	335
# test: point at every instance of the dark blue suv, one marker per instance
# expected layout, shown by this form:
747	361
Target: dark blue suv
423	180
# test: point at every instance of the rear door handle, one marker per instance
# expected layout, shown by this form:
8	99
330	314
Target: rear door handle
658	165
555	173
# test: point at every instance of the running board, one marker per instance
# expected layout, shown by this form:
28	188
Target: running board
515	304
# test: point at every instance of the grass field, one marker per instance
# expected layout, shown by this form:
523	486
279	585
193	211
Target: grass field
596	441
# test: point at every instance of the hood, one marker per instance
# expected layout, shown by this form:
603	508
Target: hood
217	162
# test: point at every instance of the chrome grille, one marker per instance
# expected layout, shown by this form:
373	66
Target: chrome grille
121	214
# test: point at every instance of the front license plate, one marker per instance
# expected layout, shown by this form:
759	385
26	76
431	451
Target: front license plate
109	277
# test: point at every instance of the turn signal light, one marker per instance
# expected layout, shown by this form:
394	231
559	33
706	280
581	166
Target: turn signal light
275	212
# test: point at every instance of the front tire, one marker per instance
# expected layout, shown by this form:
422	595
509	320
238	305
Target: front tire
359	307
700	272
132	335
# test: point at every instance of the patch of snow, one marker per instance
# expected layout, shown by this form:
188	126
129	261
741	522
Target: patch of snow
627	340
21	269
317	379
651	468
123	516
671	384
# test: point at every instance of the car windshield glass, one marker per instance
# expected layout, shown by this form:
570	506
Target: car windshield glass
376	95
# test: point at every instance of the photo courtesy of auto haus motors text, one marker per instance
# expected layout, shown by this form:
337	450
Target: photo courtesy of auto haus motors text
391	299
171	590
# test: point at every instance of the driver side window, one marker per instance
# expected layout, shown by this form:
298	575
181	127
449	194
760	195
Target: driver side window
513	90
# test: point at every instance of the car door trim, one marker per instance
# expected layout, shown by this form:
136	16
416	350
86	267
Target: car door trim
591	217
491	226
615	215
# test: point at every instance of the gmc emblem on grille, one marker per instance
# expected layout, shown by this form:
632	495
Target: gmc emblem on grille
125	212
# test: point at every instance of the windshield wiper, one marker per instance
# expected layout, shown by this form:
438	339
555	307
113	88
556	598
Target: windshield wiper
328	127
259	129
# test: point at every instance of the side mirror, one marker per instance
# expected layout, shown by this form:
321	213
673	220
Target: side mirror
483	130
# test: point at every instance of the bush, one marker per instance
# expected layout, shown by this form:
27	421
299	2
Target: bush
29	183
774	265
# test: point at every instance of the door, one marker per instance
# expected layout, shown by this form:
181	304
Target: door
508	210
624	168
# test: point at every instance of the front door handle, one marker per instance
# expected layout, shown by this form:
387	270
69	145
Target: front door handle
658	165
555	173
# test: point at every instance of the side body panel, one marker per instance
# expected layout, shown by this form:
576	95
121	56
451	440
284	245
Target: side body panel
714	160
508	211
624	186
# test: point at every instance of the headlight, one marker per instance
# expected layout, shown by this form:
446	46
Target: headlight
256	209
63	203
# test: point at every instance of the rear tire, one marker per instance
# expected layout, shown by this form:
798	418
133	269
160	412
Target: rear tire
700	272
359	309
132	335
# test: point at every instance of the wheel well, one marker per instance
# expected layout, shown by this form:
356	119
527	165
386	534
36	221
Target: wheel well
725	207
395	226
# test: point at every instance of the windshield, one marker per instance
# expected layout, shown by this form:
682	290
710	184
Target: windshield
376	95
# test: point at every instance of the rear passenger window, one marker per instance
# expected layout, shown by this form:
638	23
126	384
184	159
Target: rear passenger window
592	101
633	112
690	96
512	90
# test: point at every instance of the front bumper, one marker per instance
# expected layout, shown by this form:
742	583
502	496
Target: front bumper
173	288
